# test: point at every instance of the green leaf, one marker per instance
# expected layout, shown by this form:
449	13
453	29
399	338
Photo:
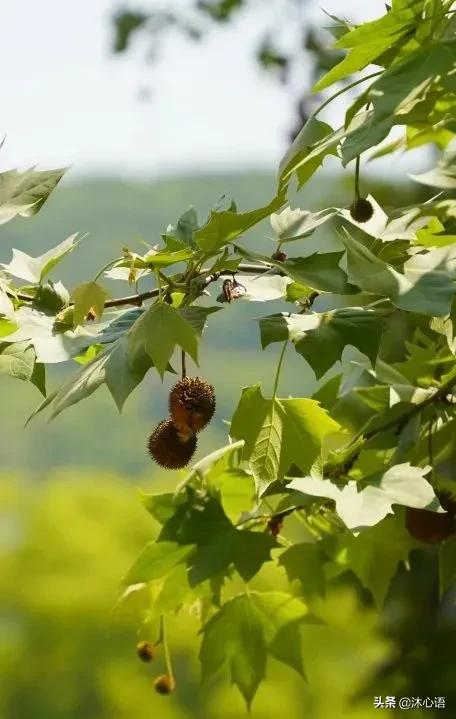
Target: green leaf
401	484
245	631
447	564
18	360
196	316
162	506
443	175
394	95
34	269
157	332
88	296
374	555
201	521
223	227
427	285
367	42
156	560
304	562
115	366
432	236
24	193
314	142
182	234
291	224
52	343
321	271
321	338
279	433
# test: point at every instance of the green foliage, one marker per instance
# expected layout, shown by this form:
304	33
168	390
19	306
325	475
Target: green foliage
314	489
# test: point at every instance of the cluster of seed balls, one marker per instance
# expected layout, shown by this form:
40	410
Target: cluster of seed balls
172	443
146	651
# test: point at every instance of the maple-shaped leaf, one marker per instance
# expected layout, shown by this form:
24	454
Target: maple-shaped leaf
279	433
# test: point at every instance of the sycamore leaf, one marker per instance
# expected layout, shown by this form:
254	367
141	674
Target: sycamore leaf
321	271
305	562
314	142
201	521
443	175
395	94
367	42
51	344
264	288
374	555
156	560
291	224
158	331
321	337
401	484
88	296
34	269
114	366
223	227
18	360
279	433
24	193
427	285
247	629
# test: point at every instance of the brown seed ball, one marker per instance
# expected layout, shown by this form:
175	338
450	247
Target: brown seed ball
447	500
164	684
429	527
191	404
361	210
170	448
145	651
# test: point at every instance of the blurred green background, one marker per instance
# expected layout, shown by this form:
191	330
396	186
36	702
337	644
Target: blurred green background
71	522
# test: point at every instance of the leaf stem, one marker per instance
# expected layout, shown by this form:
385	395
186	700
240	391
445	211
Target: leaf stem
344	89
279	369
166	652
107	266
357	192
183	363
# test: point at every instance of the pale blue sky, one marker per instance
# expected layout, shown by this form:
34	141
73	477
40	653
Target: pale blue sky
67	100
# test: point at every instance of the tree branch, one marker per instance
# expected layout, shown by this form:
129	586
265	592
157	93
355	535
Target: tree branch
139	298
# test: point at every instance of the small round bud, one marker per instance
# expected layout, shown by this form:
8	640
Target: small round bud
164	684
145	651
170	448
361	210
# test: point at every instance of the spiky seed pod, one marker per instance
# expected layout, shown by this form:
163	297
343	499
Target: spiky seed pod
164	684
429	527
279	255
191	404
169	447
361	210
145	651
447	500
